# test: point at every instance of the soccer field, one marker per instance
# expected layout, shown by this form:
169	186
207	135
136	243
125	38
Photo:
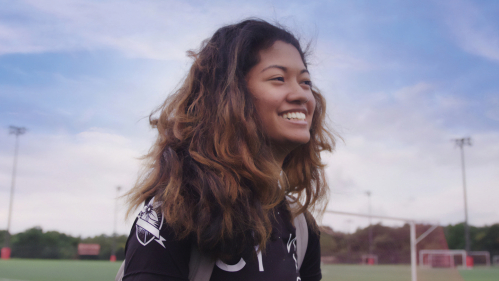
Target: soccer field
57	270
69	270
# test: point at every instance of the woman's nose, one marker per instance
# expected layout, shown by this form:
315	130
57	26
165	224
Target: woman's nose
298	94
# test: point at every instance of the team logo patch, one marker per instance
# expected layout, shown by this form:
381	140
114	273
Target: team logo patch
149	224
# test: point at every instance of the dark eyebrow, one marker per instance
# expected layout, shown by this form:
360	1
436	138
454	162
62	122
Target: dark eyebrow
285	69
275	66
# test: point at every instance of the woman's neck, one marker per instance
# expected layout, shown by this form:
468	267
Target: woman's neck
280	154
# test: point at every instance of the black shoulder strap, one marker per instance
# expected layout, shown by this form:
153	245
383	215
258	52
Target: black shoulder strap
200	266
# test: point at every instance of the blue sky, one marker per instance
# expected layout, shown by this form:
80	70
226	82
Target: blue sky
401	78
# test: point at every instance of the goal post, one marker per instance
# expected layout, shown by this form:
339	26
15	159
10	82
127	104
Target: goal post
484	254
413	239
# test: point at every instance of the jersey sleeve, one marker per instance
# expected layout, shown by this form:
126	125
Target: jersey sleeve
311	267
153	252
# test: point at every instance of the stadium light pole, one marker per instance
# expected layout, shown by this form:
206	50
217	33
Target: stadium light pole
5	253
113	249
370	225
461	143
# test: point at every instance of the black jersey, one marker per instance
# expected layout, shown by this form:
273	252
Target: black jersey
153	254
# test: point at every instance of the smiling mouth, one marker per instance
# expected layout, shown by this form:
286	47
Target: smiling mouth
294	116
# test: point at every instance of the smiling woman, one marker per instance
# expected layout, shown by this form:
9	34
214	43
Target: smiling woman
235	167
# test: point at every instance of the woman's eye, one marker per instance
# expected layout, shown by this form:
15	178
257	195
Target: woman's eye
281	79
308	83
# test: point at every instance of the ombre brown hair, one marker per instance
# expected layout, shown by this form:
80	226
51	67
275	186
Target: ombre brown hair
211	166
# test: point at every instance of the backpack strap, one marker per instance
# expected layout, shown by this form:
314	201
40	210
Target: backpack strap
121	271
301	237
200	266
301	227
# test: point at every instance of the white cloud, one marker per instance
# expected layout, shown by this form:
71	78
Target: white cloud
68	183
412	92
473	30
492	105
148	29
412	183
145	29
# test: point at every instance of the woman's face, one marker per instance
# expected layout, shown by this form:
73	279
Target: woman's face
281	87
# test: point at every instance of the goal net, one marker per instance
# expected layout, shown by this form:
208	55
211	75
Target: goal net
369	259
480	257
442	258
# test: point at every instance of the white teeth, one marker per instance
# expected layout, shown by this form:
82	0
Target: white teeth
294	115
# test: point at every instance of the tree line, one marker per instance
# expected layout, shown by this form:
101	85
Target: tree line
390	244
34	243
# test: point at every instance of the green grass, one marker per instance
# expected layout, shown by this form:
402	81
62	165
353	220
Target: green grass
66	270
481	274
57	270
343	272
403	273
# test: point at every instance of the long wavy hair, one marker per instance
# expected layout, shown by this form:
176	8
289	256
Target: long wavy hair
212	167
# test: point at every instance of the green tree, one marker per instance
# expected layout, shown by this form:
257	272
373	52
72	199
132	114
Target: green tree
2	237
34	243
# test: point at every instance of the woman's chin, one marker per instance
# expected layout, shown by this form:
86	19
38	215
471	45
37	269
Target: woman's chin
290	144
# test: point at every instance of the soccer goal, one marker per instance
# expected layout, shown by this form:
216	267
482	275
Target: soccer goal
412	233
442	258
495	260
480	257
369	259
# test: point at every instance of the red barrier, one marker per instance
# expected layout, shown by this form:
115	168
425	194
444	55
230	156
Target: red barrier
469	261
5	253
88	249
